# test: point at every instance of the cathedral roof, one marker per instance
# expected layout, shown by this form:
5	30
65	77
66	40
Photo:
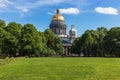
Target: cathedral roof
58	16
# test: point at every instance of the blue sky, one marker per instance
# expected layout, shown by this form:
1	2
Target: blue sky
83	14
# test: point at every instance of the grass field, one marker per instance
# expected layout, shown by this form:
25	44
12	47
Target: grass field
60	69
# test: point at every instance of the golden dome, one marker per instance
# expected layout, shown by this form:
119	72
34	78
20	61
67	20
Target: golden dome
57	16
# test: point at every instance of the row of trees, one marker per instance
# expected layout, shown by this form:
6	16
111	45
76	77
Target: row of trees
98	43
18	40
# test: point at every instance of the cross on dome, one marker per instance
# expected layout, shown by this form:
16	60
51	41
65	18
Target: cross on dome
58	11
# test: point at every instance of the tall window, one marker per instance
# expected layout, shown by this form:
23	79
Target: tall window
64	31
57	30
61	30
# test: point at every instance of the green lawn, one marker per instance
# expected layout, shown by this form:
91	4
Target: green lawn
60	69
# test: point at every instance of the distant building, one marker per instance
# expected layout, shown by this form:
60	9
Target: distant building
59	27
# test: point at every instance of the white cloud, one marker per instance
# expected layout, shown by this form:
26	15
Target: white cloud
25	6
107	10
50	13
39	3
69	11
4	3
23	9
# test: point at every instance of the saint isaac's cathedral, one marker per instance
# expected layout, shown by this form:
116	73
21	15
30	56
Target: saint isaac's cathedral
59	27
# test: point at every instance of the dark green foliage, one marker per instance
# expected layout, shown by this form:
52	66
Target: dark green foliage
50	38
2	24
58	46
87	43
15	30
76	47
102	32
97	43
30	40
8	43
112	41
16	40
3	35
53	43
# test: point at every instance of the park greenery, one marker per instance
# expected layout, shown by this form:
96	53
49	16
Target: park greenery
98	43
26	40
18	40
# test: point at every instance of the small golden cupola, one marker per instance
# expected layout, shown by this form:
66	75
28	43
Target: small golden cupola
58	16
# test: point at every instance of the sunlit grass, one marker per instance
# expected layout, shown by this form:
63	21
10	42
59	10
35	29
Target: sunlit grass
6	61
61	69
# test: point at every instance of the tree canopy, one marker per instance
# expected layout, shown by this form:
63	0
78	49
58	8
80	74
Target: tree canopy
2	24
26	40
18	40
98	43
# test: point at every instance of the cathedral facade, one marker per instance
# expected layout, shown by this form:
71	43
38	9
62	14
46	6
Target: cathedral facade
59	27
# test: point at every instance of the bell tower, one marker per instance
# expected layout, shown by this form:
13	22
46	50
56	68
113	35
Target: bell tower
73	32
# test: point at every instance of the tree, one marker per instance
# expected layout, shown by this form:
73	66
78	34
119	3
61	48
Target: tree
50	38
89	42
76	47
102	32
53	43
112	42
44	44
2	24
15	29
58	46
8	43
2	37
30	40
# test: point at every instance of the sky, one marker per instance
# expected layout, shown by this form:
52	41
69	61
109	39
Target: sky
83	14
